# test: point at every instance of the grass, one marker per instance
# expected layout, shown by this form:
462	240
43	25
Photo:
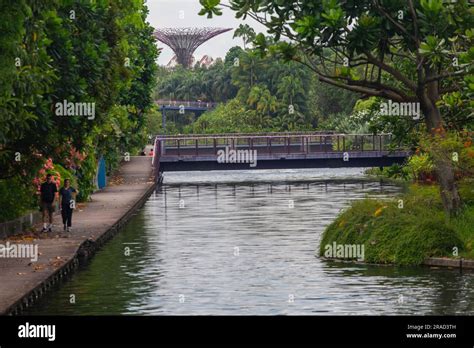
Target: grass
408	234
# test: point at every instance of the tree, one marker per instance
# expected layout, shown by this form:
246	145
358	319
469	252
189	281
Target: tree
222	88
246	74
332	100
230	117
264	103
99	52
289	89
267	103
403	50
232	56
246	32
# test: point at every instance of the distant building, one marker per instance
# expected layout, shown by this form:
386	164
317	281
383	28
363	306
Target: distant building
205	61
174	62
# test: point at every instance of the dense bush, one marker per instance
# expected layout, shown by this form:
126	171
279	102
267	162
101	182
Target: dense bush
232	117
404	234
100	52
16	198
85	175
420	166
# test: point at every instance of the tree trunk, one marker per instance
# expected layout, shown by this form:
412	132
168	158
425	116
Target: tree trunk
448	188
443	165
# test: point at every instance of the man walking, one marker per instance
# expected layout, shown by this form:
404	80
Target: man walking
67	203
48	195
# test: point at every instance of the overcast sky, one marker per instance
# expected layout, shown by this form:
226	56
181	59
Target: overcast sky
184	13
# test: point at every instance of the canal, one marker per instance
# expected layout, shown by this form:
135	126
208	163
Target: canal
244	243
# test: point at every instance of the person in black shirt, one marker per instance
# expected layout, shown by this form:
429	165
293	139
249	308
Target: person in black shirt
67	203
48	195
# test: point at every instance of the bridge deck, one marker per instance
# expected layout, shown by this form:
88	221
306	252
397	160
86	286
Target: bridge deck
184	104
286	150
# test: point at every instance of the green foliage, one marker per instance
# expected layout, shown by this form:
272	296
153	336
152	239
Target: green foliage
419	165
355	123
387	49
246	32
101	52
65	174
463	224
232	117
26	76
452	147
277	92
403	236
209	84
153	122
209	8
16	198
120	135
418	52
395	171
85	175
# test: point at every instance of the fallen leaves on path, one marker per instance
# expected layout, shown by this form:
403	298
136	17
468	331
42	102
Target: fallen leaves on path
39	267
22	238
56	262
116	180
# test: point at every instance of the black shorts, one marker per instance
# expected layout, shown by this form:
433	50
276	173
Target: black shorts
48	207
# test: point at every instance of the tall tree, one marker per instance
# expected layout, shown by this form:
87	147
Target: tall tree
246	32
289	89
402	50
99	52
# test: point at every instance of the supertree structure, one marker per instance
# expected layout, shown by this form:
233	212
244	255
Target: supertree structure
184	41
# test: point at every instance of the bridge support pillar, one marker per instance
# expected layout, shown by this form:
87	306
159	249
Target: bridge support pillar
163	119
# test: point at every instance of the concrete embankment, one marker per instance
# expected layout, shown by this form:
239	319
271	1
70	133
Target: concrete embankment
22	281
450	263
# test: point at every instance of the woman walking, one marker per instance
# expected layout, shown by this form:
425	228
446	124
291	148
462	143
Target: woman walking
67	203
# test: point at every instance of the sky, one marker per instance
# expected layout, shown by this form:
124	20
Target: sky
184	13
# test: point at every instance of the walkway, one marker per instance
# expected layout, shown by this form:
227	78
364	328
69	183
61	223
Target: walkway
21	280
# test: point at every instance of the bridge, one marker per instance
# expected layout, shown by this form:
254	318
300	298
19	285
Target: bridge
274	151
182	106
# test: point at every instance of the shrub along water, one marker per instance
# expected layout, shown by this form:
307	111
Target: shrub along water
408	229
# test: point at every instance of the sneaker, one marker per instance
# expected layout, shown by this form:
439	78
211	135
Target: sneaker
69	229
44	230
64	227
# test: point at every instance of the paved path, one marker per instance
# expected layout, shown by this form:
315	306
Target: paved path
19	277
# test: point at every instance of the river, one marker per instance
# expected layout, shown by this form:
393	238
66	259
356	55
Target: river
244	243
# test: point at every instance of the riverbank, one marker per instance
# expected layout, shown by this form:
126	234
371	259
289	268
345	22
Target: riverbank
22	281
407	230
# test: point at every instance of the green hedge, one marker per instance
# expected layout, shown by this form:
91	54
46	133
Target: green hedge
408	235
16	198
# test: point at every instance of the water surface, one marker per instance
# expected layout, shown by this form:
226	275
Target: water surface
245	242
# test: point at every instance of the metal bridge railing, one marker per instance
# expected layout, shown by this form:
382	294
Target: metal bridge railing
246	135
185	103
275	143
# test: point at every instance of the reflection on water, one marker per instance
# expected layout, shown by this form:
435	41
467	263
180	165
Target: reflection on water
244	243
